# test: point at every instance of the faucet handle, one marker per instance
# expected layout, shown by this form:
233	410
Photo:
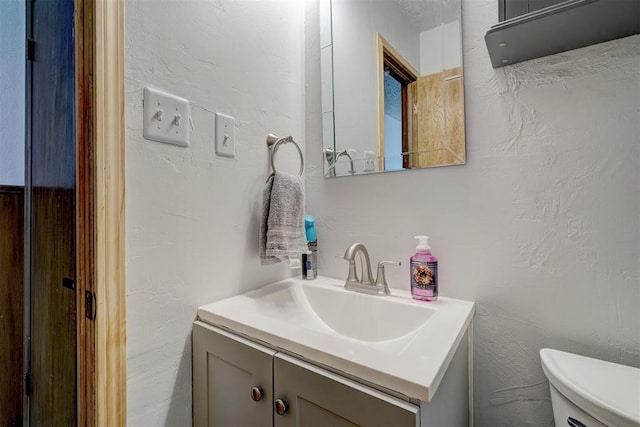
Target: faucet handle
383	263
381	278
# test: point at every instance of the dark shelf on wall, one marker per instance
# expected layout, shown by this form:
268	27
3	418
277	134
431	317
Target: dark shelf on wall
558	28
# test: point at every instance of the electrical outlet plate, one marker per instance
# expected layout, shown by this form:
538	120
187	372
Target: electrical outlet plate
166	118
225	135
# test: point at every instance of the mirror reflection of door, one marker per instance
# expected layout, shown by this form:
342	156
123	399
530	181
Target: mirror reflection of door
438	117
394	113
422	117
397	113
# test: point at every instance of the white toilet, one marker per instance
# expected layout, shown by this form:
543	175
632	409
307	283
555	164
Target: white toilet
588	392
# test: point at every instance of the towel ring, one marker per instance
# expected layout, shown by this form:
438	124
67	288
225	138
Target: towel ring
273	142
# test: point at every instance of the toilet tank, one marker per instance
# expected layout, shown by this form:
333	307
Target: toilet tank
591	392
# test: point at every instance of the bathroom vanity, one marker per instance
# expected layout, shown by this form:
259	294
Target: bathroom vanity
312	353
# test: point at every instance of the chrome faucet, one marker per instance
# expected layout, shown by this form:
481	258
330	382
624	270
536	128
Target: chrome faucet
346	153
332	159
365	284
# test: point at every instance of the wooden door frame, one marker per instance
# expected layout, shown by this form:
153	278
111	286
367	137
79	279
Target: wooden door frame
100	212
386	53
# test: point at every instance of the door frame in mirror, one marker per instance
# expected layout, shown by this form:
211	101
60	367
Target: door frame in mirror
387	54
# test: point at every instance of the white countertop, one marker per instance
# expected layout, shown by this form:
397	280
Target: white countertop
413	364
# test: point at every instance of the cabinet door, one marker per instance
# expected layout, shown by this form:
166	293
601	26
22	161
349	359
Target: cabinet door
315	397
226	368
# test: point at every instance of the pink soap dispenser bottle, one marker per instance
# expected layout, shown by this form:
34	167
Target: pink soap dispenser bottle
424	272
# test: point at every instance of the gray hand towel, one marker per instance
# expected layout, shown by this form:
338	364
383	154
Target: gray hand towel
282	234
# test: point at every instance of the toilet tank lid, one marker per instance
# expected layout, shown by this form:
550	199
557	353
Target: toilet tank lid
607	391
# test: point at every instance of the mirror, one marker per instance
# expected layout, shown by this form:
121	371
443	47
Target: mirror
392	85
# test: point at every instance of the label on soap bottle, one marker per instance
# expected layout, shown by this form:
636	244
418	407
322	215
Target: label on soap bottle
424	278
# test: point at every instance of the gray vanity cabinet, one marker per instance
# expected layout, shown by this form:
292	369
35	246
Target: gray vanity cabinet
227	369
316	397
229	372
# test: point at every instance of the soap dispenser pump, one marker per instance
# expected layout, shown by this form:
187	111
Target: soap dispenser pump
423	271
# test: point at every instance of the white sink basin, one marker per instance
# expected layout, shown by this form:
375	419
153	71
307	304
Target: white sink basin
365	317
392	341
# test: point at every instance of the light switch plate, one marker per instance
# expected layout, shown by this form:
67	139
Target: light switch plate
225	135
166	117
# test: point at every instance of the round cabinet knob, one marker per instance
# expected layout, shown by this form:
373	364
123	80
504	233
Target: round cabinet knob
256	394
280	406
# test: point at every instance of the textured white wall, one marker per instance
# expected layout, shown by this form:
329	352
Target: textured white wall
12	70
541	227
192	217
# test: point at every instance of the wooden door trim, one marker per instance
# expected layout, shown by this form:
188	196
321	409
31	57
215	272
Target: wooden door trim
385	52
101	212
111	319
85	241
